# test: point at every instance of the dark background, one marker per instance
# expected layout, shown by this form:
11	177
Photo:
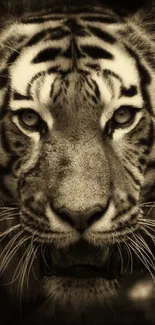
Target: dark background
18	6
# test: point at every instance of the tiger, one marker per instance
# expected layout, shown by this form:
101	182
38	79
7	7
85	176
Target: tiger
76	161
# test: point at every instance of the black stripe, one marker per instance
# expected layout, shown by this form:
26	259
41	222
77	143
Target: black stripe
56	96
142	161
151	164
149	141
30	209
138	129
54	69
144	73
129	159
151	135
13	57
49	54
121	213
132	217
39	74
65	73
96	52
52	90
17	166
71	24
132	200
3	78
58	34
136	181
75	28
4	141
145	77
40	223
36	38
101	19
69	53
89	82
93	66
17	144
39	20
104	36
82	32
92	97
142	142
73	51
18	96
48	34
108	73
3	108
128	92
96	89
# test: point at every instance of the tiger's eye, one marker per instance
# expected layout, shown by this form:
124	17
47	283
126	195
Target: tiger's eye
29	118
123	116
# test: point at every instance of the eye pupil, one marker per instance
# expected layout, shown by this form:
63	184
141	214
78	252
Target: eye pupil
123	116
29	118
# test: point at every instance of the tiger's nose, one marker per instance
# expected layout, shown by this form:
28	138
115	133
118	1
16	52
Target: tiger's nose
81	220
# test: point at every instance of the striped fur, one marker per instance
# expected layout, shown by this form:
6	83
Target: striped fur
75	69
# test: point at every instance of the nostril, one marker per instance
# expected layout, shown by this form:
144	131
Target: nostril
95	216
64	216
81	220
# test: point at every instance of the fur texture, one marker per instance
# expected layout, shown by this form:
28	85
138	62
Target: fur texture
77	162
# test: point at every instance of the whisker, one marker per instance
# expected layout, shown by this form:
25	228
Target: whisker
16	275
148	233
142	251
10	253
121	257
140	254
130	257
147	222
30	266
9	208
145	246
142	259
148	204
28	253
43	255
13	217
11	48
10	230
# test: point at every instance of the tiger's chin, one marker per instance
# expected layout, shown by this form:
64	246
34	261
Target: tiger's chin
78	296
80	283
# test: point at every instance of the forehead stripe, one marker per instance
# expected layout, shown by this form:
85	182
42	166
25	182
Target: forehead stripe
18	96
101	19
129	92
96	52
49	54
104	36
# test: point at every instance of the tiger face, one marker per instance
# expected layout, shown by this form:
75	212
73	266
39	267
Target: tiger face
76	140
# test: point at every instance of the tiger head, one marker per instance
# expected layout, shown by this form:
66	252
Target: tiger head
77	136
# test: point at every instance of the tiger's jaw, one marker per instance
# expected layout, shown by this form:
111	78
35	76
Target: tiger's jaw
71	280
78	295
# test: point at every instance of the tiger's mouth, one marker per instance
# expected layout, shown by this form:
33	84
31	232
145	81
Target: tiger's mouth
84	262
82	271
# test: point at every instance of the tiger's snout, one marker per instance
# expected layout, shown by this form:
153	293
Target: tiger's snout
81	220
